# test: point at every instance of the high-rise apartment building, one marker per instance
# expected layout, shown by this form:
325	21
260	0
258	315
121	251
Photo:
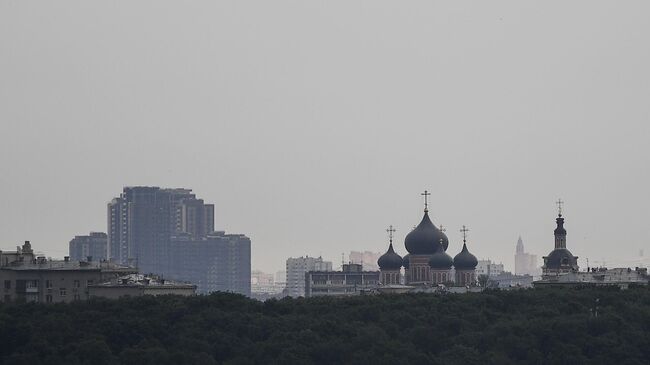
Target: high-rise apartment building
297	268
142	220
92	246
170	232
216	262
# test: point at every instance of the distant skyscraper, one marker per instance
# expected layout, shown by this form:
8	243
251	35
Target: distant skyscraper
525	263
297	268
93	245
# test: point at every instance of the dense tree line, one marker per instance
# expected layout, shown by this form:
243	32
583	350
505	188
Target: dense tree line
549	326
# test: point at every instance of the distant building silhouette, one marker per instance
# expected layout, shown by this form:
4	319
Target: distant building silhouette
525	263
489	268
366	258
93	245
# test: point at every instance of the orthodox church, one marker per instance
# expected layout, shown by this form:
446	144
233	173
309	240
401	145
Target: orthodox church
427	262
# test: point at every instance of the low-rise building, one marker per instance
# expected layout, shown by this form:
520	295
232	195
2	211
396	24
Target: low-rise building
27	278
506	280
351	281
622	277
136	285
488	268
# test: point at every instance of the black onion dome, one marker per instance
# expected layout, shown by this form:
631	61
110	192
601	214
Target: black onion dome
465	260
425	238
390	260
560	257
441	261
406	260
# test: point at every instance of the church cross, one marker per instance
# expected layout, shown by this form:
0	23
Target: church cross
426	200
464	231
559	203
390	231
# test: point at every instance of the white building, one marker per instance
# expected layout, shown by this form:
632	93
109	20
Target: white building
367	259
297	268
487	267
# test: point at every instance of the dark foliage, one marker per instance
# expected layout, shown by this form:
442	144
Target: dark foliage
550	326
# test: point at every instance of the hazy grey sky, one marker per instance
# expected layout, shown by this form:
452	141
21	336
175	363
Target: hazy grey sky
313	125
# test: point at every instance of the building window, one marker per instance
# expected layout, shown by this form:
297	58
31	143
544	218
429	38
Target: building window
76	283
89	282
48	298
7	284
63	292
48	284
77	297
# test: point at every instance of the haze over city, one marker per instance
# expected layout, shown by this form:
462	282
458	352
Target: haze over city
313	126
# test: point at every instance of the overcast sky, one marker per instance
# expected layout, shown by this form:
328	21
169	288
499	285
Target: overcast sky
313	125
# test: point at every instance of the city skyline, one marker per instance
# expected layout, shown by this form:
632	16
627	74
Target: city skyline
312	132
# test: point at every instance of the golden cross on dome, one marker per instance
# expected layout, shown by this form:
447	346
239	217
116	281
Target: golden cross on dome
390	231
464	231
426	200
559	203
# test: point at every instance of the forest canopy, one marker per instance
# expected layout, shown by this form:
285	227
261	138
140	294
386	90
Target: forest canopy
535	326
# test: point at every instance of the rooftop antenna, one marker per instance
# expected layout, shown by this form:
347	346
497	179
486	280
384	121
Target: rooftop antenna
559	203
464	231
426	200
342	259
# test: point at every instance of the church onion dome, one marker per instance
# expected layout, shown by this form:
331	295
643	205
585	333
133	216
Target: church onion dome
406	260
390	260
441	261
465	260
425	238
560	257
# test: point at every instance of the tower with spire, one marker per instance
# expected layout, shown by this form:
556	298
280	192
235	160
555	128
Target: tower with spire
525	263
560	260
